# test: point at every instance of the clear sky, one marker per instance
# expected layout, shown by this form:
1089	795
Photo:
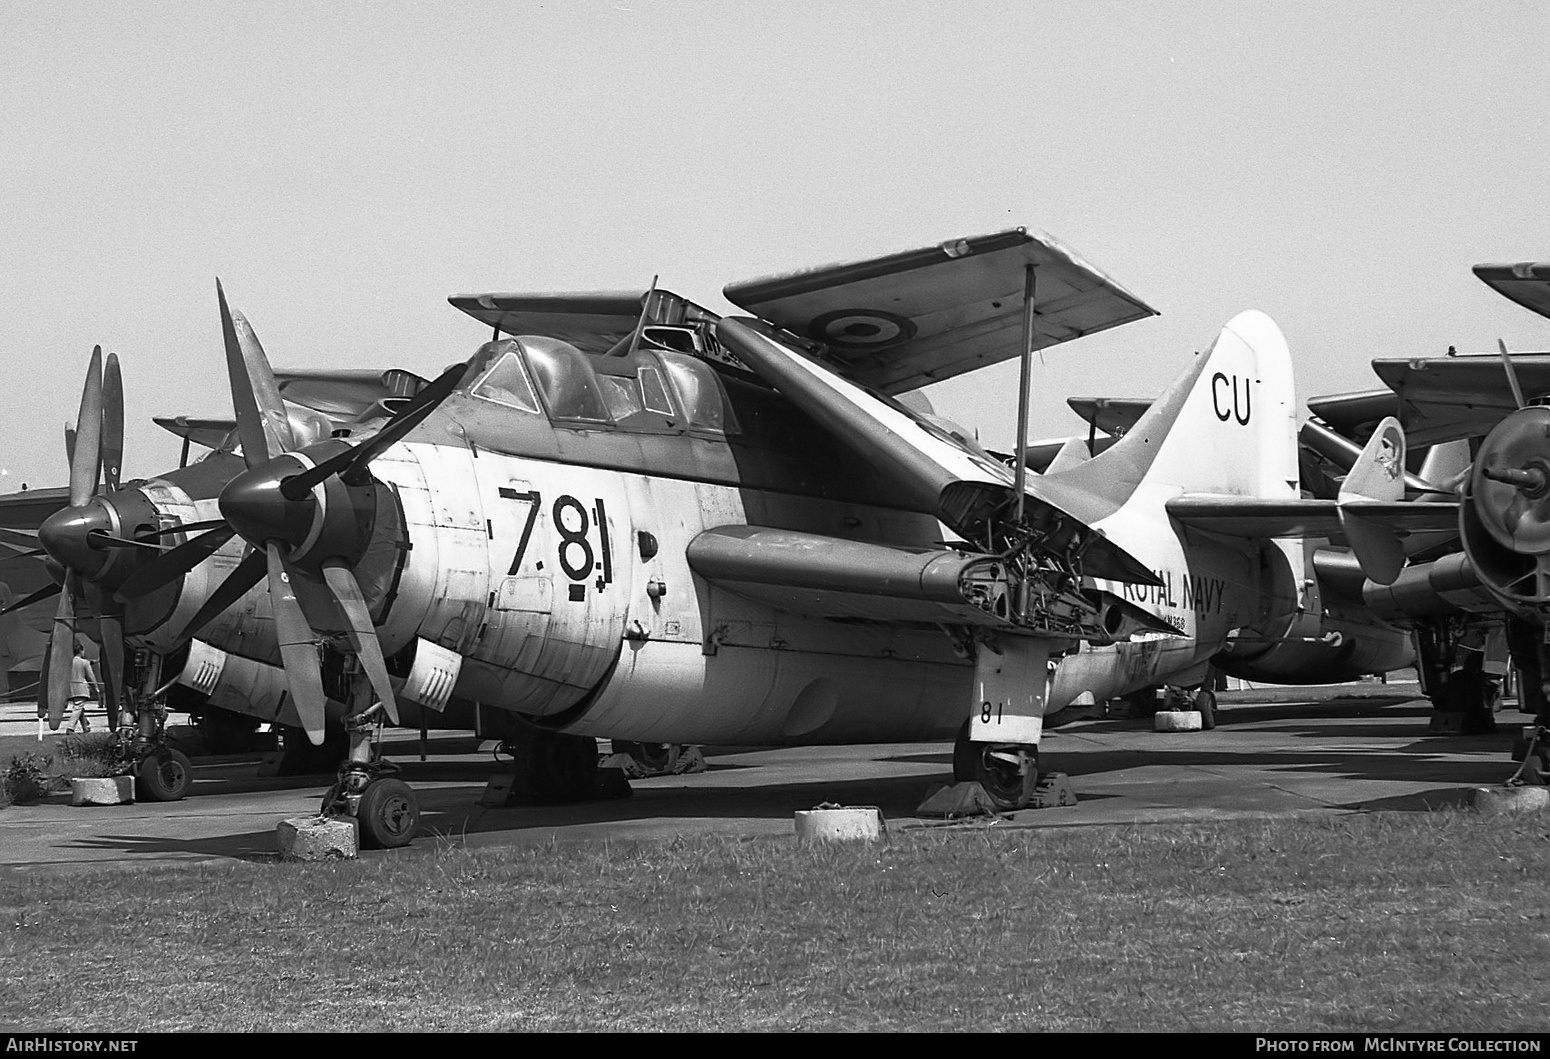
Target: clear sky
345	166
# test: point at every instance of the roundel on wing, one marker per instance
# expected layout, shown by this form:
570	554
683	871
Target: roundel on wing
861	328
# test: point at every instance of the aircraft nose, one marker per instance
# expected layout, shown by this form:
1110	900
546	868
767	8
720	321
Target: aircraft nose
67	537
255	505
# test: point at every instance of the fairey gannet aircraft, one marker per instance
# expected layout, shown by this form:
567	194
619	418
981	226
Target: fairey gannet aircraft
650	523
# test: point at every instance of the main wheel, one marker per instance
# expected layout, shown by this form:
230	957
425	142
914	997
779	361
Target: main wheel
980	763
1205	702
389	815
164	775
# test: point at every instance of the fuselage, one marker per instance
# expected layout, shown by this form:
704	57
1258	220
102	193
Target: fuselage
538	525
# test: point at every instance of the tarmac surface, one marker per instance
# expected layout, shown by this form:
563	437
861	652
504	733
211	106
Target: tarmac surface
1275	752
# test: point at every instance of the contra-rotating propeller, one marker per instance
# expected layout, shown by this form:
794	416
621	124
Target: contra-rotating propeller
308	516
1505	516
82	538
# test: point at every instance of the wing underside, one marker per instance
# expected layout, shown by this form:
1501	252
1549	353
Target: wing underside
901	321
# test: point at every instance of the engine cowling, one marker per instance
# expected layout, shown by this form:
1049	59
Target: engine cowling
1504	517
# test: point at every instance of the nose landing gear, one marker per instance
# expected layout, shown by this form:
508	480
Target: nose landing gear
385	808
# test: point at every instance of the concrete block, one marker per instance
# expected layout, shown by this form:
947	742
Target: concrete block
103	790
1177	721
1510	799
318	838
840	824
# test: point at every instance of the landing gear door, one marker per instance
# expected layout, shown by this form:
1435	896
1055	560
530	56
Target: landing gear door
1011	688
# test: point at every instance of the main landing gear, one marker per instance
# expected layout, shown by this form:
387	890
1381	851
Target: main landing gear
1009	772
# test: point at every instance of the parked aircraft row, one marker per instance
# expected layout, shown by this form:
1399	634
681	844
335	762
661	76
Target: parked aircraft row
628	517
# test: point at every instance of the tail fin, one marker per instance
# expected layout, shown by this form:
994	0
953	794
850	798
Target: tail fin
1226	426
1377	474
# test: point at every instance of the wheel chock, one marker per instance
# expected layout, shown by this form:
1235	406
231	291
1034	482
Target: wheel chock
957	800
498	793
1054	789
969	799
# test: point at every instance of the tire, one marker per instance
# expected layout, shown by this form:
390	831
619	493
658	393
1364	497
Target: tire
973	763
388	815
1205	703
164	775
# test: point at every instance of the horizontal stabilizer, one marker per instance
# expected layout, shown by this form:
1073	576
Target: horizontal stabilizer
904	320
1112	415
1240	516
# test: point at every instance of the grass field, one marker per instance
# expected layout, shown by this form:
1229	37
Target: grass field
1399	922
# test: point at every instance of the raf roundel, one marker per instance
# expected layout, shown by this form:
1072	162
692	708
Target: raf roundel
861	328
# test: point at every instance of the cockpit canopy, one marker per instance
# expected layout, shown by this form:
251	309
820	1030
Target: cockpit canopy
652	390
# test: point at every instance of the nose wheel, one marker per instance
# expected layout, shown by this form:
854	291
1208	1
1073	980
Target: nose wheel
385	808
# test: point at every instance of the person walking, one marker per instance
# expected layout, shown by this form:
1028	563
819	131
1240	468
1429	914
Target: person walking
83	690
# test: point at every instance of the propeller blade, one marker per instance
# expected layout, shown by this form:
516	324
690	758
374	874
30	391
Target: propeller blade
111	630
351	463
298	648
26	542
362	632
173	564
30	598
86	459
248	573
190	527
69	444
61	651
1512	374
112	423
262	425
102	539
